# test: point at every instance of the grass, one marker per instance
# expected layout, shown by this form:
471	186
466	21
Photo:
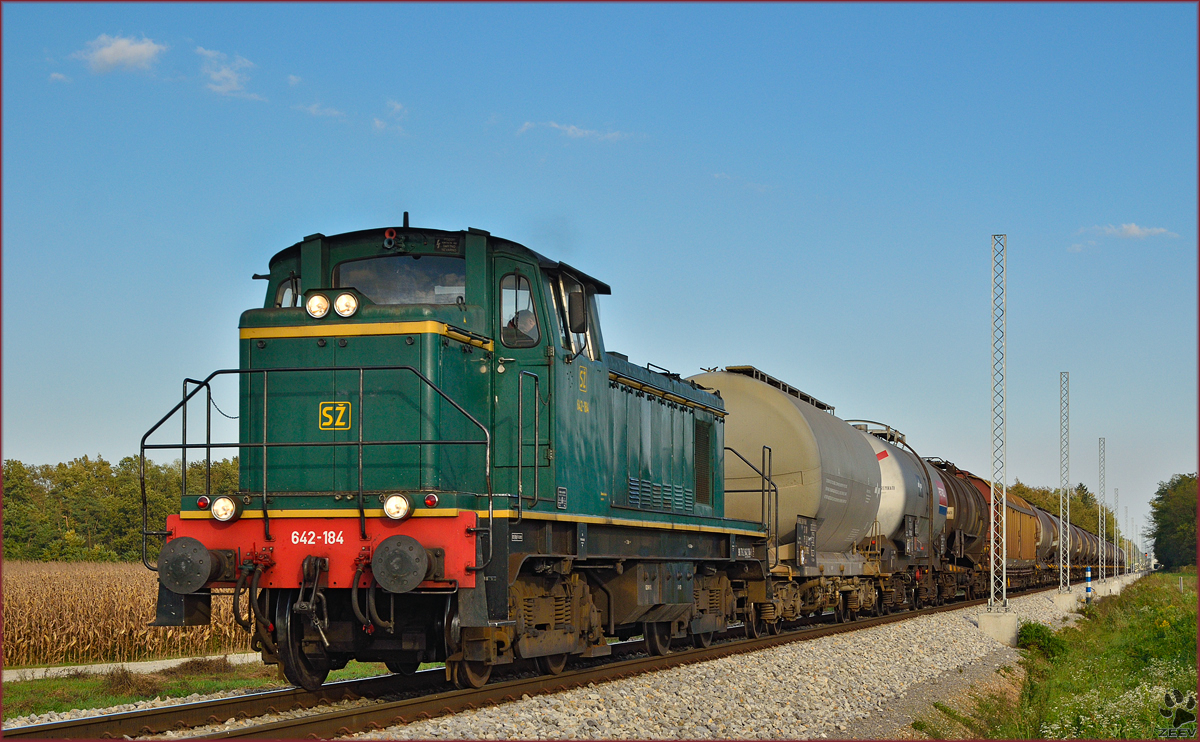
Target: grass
79	690
1104	678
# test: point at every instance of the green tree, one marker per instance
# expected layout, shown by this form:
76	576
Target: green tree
1084	495
1173	520
89	509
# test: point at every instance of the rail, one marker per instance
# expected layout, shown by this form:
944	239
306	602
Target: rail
183	446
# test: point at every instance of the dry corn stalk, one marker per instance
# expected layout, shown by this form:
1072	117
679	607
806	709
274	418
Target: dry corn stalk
58	613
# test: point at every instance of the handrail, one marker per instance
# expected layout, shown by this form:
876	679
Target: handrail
537	399
208	445
768	486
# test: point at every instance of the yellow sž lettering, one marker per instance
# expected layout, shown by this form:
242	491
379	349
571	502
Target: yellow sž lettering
333	416
583	378
582	405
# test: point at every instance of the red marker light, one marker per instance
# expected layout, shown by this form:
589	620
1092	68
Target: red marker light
202	502
390	234
431	500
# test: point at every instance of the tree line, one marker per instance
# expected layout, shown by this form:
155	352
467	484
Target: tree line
1173	521
91	510
1085	509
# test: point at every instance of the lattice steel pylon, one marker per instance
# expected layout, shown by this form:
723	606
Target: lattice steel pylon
1103	498
1117	529
997	544
1064	476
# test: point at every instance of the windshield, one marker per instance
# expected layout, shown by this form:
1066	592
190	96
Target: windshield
405	279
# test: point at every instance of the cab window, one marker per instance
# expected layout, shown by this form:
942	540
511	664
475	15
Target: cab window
564	286
288	294
405	279
518	320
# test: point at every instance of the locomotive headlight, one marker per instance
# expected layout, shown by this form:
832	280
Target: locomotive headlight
317	306
226	509
396	507
345	305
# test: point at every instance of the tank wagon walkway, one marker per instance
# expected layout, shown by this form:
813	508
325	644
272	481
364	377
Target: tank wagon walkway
833	687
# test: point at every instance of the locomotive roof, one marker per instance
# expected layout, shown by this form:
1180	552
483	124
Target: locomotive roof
544	262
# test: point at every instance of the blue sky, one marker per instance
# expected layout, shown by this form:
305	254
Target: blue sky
807	188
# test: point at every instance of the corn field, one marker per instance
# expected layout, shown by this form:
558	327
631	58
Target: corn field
66	613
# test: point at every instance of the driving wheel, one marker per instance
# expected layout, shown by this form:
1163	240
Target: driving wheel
403	667
658	637
306	670
472	674
552	664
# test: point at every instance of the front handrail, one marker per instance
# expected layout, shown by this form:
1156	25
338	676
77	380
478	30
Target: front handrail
208	445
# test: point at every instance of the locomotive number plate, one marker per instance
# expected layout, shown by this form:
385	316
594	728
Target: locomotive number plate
333	416
318	537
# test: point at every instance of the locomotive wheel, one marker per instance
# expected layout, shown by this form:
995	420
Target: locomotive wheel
403	667
702	640
774	628
472	674
552	664
753	624
300	669
658	637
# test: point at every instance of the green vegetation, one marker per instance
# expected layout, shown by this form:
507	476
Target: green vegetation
77	690
1085	511
1033	635
91	510
1173	518
1105	678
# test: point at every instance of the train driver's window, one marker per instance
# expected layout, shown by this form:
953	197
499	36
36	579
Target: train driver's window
287	296
518	320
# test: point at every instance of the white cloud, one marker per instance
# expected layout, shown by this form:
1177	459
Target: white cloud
293	80
59	77
316	110
380	125
740	181
1135	232
226	76
576	132
1075	248
105	53
396	110
1126	231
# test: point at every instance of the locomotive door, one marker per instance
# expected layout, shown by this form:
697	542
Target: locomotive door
522	380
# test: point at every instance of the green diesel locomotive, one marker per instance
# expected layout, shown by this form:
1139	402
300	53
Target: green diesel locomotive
439	461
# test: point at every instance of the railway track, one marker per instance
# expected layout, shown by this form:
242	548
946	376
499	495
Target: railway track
444	699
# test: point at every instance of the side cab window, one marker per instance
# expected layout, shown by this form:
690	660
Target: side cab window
561	288
288	294
519	326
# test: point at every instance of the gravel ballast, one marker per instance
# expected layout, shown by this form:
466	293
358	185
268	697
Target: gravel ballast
815	689
832	687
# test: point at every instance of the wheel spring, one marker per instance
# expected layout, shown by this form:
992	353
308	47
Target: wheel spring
562	611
